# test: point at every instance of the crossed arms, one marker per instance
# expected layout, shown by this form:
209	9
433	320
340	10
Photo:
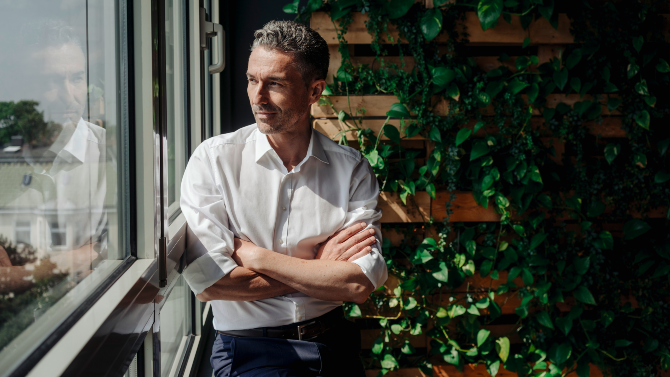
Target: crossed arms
330	276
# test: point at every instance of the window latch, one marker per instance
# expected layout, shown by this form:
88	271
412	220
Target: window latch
210	30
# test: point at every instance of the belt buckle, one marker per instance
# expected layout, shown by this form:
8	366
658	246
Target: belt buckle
300	327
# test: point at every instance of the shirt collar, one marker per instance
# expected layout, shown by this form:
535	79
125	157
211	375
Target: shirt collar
315	148
71	147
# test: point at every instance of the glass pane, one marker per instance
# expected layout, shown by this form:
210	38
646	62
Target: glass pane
175	56
174	326
59	163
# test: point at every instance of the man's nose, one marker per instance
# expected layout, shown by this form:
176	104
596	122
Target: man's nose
259	94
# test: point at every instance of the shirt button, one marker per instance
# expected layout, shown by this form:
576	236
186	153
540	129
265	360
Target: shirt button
283	208
280	241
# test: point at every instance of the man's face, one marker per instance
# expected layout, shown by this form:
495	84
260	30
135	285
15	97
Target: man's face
61	82
277	93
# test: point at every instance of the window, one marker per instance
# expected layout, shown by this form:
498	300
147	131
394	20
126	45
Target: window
58	234
177	106
175	327
62	136
22	232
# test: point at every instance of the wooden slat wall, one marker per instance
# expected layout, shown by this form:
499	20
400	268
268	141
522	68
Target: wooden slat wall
550	44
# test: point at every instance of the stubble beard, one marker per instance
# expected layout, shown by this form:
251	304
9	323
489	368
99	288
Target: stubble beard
285	121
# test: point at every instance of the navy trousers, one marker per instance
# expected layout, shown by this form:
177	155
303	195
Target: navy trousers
333	353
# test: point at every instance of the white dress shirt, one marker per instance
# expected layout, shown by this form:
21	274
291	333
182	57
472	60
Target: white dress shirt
235	185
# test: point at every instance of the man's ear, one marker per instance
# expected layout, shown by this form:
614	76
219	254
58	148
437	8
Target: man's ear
315	89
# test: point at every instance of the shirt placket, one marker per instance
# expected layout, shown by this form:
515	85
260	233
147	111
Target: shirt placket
281	231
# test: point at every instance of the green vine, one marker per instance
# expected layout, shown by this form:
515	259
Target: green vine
581	251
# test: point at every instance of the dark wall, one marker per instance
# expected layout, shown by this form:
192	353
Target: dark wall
240	19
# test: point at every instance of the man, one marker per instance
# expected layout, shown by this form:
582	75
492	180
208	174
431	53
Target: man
286	223
60	173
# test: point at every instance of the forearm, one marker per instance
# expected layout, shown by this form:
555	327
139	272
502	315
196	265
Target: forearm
243	284
321	279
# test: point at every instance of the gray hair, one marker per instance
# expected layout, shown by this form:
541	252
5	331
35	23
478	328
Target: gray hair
306	45
50	33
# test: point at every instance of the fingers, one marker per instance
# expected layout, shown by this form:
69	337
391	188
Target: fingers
345	234
364	245
360	254
360	237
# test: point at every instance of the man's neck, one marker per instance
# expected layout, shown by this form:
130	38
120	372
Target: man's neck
291	147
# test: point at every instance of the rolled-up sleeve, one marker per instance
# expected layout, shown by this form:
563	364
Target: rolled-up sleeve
363	195
209	239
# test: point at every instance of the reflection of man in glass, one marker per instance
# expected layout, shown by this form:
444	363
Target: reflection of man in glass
60	175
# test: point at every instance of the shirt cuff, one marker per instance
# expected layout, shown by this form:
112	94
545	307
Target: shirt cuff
203	272
374	267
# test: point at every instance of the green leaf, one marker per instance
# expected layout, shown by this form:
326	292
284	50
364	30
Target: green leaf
609	88
564	324
663	146
473	310
515	86
622	343
606	240
343	75
410	303
431	23
441	312
582	265
519	229
546	9
407	348
291	7
456	310
650	345
480	124
480	148
575	84
452	357
378	346
611	151
398	110
392	133
641	88
452	91
663	66
526	42
502	347
442	274
421	256
430	189
561	78
635	228
442	76
632	70
488	12
389	362
613	103
563	353
596	208
398	8
574	58
543	318
533	92
582	294
482	335
485	268
313	5
435	134
327	91
343	116
537	240
462	135
637	43
662	177
355	311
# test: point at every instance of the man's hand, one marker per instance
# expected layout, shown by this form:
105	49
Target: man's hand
348	244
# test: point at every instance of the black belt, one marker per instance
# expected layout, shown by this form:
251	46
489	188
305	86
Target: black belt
301	330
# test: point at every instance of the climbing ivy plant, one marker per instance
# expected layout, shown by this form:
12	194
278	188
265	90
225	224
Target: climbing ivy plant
577	250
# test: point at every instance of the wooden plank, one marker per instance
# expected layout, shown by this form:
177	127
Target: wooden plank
547	52
464	208
469	370
542	33
393	211
396	237
374	106
503	34
333	128
368	337
489	63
